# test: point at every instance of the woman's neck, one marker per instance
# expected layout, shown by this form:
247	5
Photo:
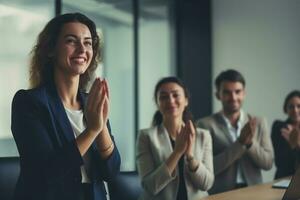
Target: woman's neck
173	126
67	88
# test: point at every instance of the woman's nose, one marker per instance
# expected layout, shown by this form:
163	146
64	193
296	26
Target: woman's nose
80	47
171	99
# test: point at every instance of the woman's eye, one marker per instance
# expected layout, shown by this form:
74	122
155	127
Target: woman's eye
71	41
162	97
176	95
88	43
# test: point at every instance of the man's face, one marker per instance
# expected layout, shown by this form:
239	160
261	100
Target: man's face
232	95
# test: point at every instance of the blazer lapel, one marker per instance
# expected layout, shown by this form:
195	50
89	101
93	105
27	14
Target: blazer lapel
59	113
164	141
222	125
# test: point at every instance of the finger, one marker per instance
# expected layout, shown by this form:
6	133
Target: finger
92	93
289	127
101	101
182	133
285	136
192	128
106	88
99	93
106	107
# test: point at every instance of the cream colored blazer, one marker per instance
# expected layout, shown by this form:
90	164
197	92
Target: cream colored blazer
228	154
153	149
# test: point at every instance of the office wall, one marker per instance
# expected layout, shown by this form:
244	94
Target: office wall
260	38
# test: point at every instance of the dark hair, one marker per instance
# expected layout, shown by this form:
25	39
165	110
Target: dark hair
187	115
292	94
42	60
229	75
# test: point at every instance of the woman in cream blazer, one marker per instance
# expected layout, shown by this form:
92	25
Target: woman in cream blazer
174	159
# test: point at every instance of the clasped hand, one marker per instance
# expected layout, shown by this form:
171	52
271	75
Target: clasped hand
292	135
185	139
248	131
97	108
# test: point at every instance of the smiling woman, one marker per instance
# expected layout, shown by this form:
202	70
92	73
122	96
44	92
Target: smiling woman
174	159
62	133
74	50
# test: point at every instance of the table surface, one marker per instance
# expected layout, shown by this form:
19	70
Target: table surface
257	192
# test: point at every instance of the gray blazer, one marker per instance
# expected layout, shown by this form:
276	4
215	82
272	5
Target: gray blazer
227	154
154	148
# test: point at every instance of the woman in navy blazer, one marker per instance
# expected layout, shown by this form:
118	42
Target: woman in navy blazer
62	133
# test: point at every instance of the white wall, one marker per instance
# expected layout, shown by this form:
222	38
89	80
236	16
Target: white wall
259	38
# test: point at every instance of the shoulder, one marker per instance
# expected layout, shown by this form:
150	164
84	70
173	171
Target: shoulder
147	132
208	121
278	124
203	134
247	115
30	96
201	131
259	119
261	123
145	137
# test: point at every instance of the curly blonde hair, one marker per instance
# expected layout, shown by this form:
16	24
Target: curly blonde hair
42	60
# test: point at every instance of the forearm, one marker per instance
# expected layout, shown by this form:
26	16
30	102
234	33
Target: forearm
104	143
172	161
203	177
223	160
262	155
85	140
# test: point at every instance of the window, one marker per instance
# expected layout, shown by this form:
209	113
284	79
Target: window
20	23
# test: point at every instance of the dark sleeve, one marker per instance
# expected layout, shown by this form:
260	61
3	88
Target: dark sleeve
284	155
42	157
107	169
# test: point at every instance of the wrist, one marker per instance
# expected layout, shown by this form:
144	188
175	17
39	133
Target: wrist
177	154
189	157
91	131
104	130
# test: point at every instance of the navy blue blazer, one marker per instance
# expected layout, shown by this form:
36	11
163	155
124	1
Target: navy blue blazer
49	158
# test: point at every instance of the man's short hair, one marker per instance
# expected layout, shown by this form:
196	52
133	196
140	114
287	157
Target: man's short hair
229	75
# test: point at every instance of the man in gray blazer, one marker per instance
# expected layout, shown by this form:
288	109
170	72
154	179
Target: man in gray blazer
241	142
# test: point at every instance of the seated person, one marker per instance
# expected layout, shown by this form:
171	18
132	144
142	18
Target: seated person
241	142
286	136
174	159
